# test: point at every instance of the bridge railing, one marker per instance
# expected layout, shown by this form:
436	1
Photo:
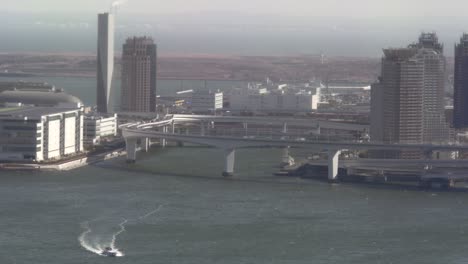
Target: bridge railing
263	133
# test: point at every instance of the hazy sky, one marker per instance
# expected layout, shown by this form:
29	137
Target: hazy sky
252	27
352	8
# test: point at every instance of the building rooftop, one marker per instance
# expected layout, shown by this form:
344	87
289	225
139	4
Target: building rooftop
99	116
27	86
31	113
39	98
399	53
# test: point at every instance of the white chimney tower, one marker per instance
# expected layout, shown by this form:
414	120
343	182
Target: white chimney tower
105	62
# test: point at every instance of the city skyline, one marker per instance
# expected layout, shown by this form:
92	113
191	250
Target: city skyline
286	131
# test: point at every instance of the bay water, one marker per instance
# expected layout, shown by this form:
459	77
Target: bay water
173	206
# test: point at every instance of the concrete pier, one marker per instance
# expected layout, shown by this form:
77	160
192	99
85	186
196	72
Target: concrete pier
163	140
441	182
229	163
333	159
286	159
145	144
202	129
131	149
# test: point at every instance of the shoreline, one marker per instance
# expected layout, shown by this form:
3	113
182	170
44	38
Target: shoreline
434	179
66	165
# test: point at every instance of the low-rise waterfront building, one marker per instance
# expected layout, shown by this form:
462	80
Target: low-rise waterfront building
98	127
40	133
264	101
206	102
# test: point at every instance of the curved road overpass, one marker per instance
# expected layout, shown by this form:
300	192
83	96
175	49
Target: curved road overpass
167	130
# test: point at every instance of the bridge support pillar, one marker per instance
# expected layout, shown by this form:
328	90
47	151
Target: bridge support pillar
428	154
163	140
286	159
202	129
130	147
229	163
145	144
333	159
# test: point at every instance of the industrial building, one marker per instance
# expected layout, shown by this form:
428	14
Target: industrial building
39	134
105	62
98	127
205	102
265	101
139	70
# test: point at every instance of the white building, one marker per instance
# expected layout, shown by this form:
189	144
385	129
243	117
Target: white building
273	102
40	133
98	127
206	102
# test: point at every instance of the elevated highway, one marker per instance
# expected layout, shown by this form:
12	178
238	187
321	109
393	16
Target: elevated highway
174	128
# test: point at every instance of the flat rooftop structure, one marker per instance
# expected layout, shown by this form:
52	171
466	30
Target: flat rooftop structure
30	113
38	97
27	86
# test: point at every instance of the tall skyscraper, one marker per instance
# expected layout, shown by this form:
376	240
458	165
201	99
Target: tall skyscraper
435	123
460	84
139	70
408	101
105	62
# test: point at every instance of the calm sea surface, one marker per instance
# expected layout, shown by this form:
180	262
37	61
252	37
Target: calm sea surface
174	207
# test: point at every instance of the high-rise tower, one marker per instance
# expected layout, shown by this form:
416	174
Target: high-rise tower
408	101
105	62
139	70
460	84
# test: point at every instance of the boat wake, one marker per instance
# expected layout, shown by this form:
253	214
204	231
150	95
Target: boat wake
151	213
115	235
98	244
95	244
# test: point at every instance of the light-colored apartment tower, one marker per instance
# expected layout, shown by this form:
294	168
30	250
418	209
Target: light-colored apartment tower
139	70
105	62
435	123
408	101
